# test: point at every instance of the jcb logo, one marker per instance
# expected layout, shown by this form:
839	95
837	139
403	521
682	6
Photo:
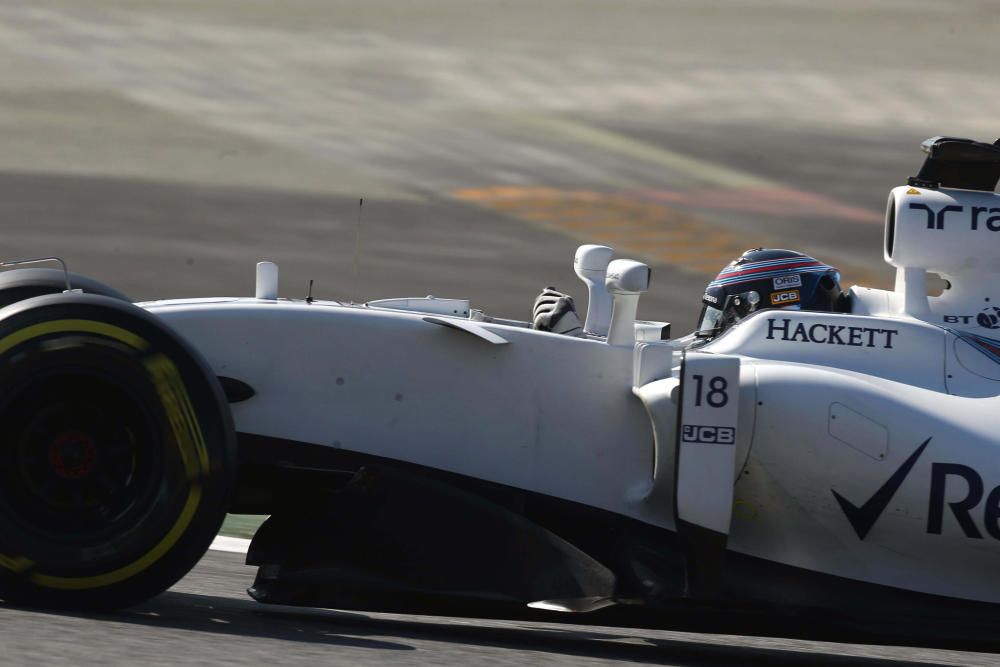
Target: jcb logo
712	435
779	298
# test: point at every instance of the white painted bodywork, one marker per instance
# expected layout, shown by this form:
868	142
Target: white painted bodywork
827	403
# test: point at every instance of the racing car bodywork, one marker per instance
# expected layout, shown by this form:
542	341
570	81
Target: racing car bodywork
418	455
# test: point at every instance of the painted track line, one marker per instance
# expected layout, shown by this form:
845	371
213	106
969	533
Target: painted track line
236	545
619	144
642	224
727	188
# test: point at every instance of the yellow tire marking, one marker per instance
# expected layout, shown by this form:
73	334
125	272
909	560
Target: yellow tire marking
187	432
83	326
16	563
136	566
180	413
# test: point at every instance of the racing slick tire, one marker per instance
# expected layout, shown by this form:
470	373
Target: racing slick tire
20	284
117	453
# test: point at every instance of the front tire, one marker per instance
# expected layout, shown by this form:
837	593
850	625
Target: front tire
117	453
20	284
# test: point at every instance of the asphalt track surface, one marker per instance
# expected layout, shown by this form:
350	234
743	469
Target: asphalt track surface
165	147
206	619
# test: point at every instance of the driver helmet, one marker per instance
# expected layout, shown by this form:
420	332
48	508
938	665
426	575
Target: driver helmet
764	278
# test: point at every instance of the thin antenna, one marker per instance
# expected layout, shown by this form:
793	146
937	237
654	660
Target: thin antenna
357	249
309	296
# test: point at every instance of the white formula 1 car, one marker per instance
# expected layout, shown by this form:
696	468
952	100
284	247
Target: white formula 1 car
417	455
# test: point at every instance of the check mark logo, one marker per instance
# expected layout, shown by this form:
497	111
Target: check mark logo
863	518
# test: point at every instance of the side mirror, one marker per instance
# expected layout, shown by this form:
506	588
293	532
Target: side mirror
591	265
626	280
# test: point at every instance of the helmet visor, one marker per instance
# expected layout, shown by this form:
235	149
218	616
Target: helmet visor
711	318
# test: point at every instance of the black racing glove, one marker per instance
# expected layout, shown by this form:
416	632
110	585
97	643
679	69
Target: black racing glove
556	312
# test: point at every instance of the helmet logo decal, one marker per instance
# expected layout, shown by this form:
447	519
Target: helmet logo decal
784	282
785	298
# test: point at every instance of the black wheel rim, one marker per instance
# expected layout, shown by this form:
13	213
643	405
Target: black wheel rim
81	457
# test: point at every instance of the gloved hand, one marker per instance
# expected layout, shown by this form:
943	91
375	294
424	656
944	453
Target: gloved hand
556	312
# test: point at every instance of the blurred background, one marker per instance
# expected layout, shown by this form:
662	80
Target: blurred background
166	146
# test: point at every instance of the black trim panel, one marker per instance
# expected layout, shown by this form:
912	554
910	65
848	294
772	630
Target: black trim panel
236	391
757	596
